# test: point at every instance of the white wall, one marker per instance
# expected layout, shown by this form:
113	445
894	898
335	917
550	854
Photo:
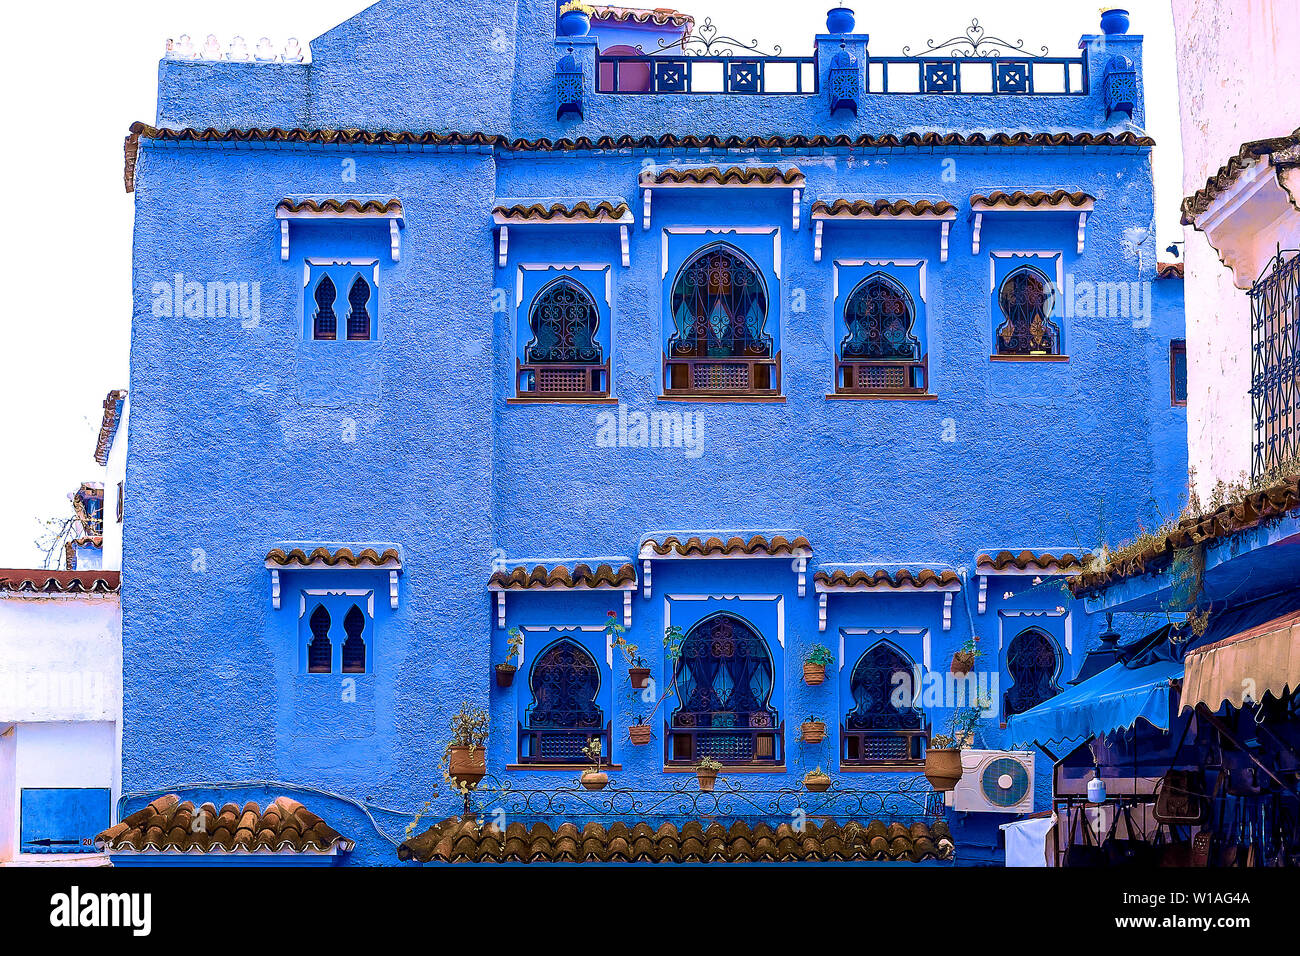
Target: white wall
1239	81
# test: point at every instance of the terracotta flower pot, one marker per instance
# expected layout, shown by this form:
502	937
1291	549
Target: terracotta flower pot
506	674
814	674
963	662
707	779
816	784
812	732
640	676
639	734
595	781
467	767
943	767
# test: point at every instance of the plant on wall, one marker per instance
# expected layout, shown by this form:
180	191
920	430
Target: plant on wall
812	730
638	670
815	662
817	780
963	661
464	758
514	649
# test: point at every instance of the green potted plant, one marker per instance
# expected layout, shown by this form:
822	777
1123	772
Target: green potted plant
812	730
817	780
638	669
815	663
963	662
943	755
706	772
514	647
594	778
464	759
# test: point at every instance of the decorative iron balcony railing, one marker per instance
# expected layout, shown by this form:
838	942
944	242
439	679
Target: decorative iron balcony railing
1275	364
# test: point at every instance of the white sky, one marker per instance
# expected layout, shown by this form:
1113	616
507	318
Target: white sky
78	74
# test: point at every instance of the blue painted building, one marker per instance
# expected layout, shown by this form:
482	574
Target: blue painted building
465	329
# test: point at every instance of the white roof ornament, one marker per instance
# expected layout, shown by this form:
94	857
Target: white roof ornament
181	49
292	51
238	51
266	51
211	48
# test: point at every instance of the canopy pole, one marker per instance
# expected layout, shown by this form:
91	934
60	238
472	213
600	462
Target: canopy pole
1226	734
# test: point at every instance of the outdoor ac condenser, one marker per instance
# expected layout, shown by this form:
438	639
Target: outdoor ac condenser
995	781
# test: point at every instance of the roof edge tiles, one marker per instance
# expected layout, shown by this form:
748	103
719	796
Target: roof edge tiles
541	576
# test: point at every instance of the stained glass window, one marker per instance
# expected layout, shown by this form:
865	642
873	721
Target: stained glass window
1033	664
1027	300
358	313
873	684
563	322
354	648
724	676
320	653
324	322
719	307
879	317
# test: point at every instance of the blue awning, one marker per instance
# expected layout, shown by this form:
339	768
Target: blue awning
1109	701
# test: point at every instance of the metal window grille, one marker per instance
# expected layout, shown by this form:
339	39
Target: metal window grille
325	322
1033	664
1275	364
1027	300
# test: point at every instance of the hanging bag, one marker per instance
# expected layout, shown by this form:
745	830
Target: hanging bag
1180	798
1133	849
1085	853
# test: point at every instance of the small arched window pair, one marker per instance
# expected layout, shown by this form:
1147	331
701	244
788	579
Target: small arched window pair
320	650
325	321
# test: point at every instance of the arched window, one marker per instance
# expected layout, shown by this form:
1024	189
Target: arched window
324	322
1033	664
358	314
1027	299
718	344
320	653
880	351
563	714
563	357
724	679
719	307
354	648
883	727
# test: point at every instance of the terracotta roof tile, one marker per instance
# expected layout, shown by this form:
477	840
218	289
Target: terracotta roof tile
352	205
332	557
1169	270
756	545
1250	511
882	207
717	176
897	579
583	211
987	563
168	824
1199	201
358	137
108	425
462	840
661	16
542	576
1004	200
60	582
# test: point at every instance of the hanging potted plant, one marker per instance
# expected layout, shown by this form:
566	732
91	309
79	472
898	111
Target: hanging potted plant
464	759
638	669
812	730
639	732
575	19
706	772
514	647
815	663
963	662
594	778
817	780
943	755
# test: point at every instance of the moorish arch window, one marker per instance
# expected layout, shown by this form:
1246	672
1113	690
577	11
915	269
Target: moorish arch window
320	652
563	713
354	648
880	351
358	310
1033	665
724	680
881	729
563	359
1027	302
719	343
324	321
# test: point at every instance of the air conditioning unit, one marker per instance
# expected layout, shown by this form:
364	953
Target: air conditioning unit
995	781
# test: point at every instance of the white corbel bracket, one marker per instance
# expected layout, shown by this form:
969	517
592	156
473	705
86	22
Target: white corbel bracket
501	610
821	613
943	240
395	239
797	195
645	208
392	589
800	567
503	244
275	589
284	240
624	245
645	578
817	242
1083	222
947	610
984	593
976	225
627	608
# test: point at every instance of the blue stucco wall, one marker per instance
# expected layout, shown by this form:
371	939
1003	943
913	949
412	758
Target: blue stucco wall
243	435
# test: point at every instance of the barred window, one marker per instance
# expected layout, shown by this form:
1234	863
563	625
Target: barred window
880	351
324	321
563	713
354	648
563	359
1033	665
358	313
1027	300
320	652
1275	364
1178	372
882	729
724	679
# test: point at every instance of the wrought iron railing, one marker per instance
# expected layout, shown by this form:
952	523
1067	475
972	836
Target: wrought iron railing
706	61
909	801
1275	363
